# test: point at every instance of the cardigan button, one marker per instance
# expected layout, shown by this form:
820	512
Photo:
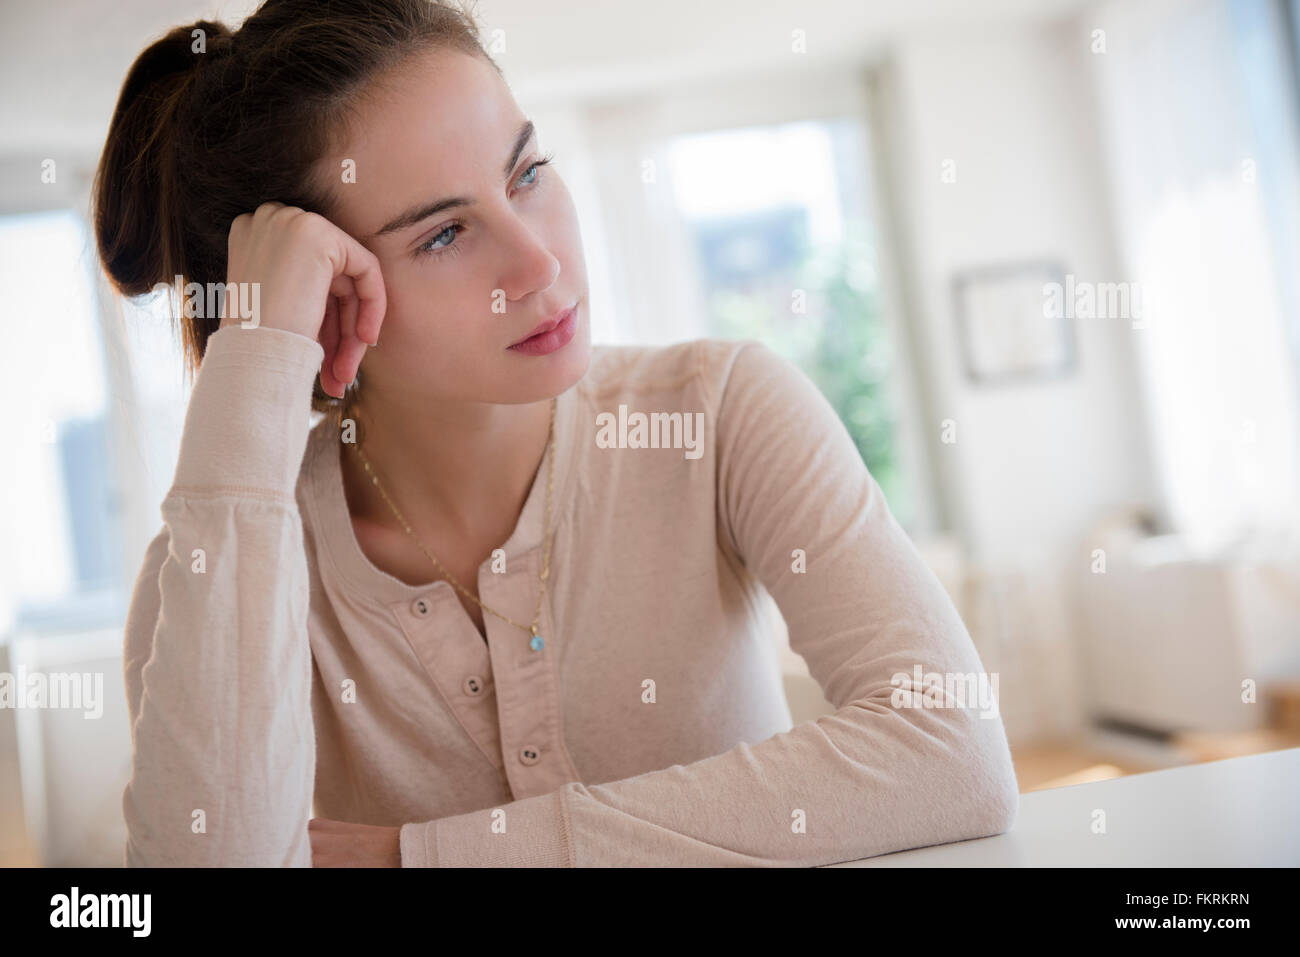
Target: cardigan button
530	754
420	608
473	685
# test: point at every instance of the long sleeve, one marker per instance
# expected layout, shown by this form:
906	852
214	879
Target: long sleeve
883	772
217	660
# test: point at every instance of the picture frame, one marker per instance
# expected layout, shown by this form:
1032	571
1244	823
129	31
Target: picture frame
1004	330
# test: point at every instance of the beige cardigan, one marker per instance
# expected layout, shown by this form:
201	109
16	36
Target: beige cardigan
274	674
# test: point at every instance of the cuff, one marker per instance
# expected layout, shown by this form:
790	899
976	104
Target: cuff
533	832
419	848
250	411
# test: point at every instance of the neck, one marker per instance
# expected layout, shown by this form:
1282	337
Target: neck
459	472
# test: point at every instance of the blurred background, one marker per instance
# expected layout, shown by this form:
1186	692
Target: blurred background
1039	254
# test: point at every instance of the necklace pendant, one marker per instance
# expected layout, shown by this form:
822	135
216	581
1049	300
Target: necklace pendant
536	643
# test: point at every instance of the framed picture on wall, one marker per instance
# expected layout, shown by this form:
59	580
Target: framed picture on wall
1006	329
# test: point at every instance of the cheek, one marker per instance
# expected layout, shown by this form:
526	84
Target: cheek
562	218
419	324
432	301
562	205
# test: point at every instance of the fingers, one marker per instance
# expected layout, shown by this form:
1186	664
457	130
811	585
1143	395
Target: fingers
329	341
358	288
368	282
292	250
351	349
348	351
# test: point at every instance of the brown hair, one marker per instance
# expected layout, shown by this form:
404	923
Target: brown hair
211	124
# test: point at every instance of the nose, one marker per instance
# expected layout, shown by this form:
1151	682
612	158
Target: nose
529	265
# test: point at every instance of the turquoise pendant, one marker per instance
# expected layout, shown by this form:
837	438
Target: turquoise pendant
536	643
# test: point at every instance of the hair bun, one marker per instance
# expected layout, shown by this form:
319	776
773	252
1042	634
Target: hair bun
181	51
210	38
134	220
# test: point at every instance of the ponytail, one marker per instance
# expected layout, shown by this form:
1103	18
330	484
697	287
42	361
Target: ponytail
138	193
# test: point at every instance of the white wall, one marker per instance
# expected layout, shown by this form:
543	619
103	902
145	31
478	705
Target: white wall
1036	463
1011	107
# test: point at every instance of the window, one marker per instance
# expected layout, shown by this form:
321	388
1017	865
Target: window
58	503
782	245
88	475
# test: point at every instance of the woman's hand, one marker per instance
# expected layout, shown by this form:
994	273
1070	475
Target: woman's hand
313	279
339	844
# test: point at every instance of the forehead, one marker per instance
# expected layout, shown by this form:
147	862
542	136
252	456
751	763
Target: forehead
440	123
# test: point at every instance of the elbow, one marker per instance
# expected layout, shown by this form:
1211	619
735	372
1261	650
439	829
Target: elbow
187	847
1003	806
995	789
135	857
982	796
145	851
986	806
147	845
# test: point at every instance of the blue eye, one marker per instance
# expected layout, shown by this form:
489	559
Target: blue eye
432	247
432	244
538	167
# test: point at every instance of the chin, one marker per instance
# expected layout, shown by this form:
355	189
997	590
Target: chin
566	369
550	375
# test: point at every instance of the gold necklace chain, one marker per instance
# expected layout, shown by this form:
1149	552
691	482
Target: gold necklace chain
536	643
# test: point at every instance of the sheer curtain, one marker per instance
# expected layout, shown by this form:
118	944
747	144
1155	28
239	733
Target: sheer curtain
1200	115
657	299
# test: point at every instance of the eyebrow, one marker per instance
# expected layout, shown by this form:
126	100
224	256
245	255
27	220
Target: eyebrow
417	213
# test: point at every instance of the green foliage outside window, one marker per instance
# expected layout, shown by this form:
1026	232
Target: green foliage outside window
839	340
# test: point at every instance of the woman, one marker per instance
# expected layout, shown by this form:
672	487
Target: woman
500	605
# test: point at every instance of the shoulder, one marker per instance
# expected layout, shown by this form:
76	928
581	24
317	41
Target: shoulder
705	364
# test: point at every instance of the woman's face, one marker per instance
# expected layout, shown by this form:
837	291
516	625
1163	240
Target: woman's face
464	282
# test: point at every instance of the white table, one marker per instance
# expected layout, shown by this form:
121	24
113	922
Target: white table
1240	812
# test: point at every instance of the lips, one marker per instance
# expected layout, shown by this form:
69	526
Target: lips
548	325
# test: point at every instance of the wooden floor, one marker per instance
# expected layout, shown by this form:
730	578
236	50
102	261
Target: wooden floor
1063	763
17	859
